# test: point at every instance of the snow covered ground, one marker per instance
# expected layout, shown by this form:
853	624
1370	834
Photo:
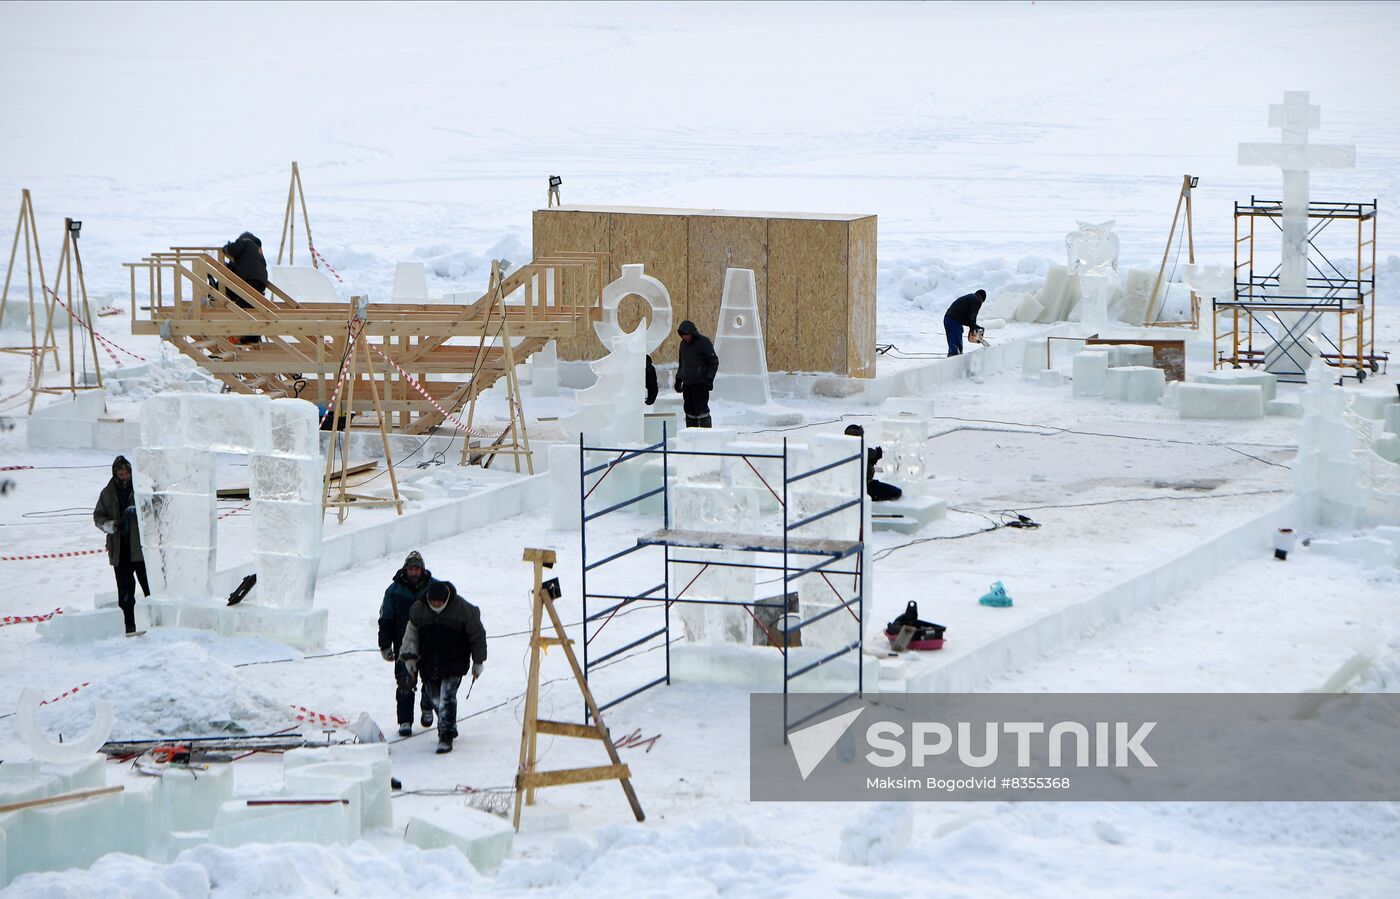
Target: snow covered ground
978	133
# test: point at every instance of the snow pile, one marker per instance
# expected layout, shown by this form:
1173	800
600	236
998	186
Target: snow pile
181	692
441	260
934	284
878	835
289	869
169	373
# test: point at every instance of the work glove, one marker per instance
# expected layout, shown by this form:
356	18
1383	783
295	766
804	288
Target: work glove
678	385
411	666
710	385
476	670
130	511
109	526
388	653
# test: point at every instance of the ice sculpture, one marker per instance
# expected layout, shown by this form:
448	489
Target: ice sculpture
635	282
1092	247
743	370
70	750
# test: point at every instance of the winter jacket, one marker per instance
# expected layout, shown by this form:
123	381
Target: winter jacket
393	611
445	643
246	260
113	504
652	387
965	308
698	362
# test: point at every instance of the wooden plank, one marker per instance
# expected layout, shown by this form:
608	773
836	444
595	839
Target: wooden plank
67	797
824	282
571	776
716	245
564	729
860	298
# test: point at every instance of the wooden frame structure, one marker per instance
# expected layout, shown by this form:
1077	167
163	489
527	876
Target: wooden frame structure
68	272
289	223
1183	201
527	779
336	493
33	260
1259	317
438	357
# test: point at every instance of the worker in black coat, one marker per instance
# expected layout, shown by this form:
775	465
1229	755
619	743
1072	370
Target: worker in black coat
444	641
410	585
695	374
246	260
878	491
962	313
115	514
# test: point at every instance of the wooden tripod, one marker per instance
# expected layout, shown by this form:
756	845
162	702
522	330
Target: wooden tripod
337	495
1183	199
527	780
32	260
69	263
289	222
519	443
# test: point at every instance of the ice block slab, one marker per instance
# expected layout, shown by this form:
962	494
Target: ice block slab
483	838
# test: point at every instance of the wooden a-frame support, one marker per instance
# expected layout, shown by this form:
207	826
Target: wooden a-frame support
33	260
295	195
527	779
70	261
519	443
336	495
1183	199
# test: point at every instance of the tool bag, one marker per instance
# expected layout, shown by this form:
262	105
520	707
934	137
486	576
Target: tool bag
927	635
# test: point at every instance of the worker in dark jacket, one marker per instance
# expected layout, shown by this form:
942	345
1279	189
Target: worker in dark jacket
695	375
878	491
962	313
115	514
444	640
410	584
246	260
652	386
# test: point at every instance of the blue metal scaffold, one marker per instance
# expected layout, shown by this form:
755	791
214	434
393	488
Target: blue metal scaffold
799	557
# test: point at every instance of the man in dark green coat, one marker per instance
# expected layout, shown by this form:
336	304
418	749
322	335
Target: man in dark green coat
410	585
115	514
444	640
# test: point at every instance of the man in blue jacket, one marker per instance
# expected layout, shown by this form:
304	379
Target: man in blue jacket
410	585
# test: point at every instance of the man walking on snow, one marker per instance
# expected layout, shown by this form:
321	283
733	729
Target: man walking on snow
444	640
695	374
410	585
962	313
115	514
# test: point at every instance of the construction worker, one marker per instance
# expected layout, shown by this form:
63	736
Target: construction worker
962	313
878	491
410	585
115	514
695	374
246	260
444	641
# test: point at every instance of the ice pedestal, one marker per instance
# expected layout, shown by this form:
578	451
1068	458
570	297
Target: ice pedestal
1265	381
1132	354
70	835
907	514
345	780
82	627
1090	373
1220	401
1135	384
376	809
195	797
904	439
238	823
484	839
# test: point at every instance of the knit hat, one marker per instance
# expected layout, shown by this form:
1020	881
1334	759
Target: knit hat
438	592
687	327
413	558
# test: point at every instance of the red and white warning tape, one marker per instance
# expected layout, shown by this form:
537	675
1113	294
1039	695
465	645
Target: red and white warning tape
67	555
305	714
107	344
324	261
27	619
351	336
67	693
456	422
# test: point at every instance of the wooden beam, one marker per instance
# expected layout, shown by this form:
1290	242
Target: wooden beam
538	779
565	729
61	798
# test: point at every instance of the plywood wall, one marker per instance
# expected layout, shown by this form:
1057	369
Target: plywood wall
815	277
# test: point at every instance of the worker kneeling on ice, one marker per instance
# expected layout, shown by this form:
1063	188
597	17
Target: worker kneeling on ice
443	641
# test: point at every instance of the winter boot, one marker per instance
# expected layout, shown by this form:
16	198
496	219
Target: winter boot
406	729
427	719
444	746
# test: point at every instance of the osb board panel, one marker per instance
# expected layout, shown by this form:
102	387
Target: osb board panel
860	346
730	213
716	245
808	280
556	232
659	243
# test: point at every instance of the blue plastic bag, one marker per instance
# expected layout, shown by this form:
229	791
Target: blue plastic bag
996	597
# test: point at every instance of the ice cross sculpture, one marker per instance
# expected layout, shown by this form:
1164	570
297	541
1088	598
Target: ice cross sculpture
1297	158
173	477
